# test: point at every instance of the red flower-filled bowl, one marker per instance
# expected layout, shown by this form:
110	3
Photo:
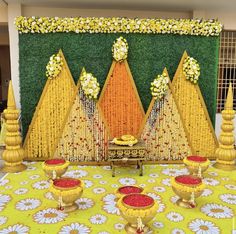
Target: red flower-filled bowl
188	180
55	168
128	189
138	201
66	191
196	164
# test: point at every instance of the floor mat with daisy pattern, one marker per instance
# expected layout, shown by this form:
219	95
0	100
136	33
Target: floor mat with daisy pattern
26	206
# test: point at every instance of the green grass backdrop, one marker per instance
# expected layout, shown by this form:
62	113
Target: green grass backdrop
148	55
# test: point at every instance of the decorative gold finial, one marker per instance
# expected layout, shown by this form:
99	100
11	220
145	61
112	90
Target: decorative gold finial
13	154
226	153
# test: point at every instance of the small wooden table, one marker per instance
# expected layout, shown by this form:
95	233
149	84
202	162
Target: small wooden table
117	153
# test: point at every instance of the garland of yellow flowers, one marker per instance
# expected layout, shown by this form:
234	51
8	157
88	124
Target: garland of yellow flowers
45	166
118	25
70	191
225	162
159	86
196	164
185	188
142	213
120	49
54	66
191	69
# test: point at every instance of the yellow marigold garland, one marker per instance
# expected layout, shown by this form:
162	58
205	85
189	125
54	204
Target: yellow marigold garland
159	86
54	66
191	69
142	213
118	25
120	49
89	85
186	188
196	164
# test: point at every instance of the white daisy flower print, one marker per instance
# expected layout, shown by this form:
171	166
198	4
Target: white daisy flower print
8	187
3	220
151	181
174	199
111	208
166	182
178	231
225	178
76	174
104	233
174	171
34	177
174	217
49	215
17	228
75	228
24	182
4	199
230	186
206	192
212	173
31	168
98	219
142	185
157	198
98	176
102	182
99	190
114	186
106	168
43	184
21	191
84	203
28	204
159	189
158	224
217	211
127	181
109	198
228	198
119	226
200	226
49	196
4	182
88	183
210	181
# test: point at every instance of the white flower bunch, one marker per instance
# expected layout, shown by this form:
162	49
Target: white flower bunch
159	86
120	49
191	69
54	66
89	85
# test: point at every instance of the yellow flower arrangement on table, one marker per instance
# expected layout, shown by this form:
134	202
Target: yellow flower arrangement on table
159	86
89	85
54	66
191	69
117	25
125	140
120	49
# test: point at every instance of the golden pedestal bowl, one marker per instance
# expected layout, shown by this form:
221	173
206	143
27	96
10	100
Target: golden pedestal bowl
196	164
128	189
66	191
188	188
55	168
138	209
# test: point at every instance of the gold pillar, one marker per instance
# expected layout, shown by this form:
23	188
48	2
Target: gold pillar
14	153
226	153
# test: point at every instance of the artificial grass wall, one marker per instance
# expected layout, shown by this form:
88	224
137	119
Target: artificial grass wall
148	55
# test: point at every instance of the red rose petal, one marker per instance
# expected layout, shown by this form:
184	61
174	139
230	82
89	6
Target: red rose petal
138	200
197	158
188	179
55	161
66	182
130	189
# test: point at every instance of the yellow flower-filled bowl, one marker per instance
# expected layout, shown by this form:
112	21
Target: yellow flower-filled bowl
135	207
55	168
187	187
66	191
128	189
196	164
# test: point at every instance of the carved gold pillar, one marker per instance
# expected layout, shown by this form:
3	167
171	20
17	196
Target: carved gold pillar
226	153
13	154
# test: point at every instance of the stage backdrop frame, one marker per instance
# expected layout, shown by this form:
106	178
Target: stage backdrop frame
147	57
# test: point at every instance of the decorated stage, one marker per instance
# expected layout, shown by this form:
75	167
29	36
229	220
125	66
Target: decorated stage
27	206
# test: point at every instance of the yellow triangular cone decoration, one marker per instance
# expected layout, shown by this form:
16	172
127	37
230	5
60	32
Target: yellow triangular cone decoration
195	115
225	153
84	137
48	119
164	132
13	154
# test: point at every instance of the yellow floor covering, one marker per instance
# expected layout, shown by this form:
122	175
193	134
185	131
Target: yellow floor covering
26	206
